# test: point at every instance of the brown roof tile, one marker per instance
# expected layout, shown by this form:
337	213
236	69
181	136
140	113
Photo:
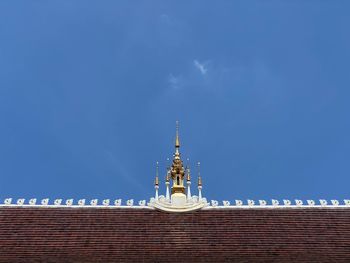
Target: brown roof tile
143	235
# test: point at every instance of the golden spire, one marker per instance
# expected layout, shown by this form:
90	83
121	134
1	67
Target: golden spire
199	174
188	174
167	178
177	140
156	181
177	170
188	178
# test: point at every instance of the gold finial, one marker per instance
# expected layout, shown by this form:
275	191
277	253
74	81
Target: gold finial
199	174
188	174
177	170
167	178
156	181
199	181
177	140
188	170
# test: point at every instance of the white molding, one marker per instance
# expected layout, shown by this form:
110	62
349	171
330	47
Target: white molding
298	202
275	202
250	202
323	202
277	207
76	206
214	203
142	203
239	202
163	204
311	202
226	203
335	202
45	201
262	202
287	202
168	207
58	202
20	201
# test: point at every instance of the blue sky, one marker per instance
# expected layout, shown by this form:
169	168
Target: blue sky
90	92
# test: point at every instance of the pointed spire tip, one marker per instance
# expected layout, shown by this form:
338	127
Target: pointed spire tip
177	140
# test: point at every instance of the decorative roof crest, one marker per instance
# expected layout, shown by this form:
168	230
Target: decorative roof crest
181	199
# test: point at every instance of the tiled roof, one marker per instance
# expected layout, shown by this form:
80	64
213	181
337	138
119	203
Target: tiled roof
83	234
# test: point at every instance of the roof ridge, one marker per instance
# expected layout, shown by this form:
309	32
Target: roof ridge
130	203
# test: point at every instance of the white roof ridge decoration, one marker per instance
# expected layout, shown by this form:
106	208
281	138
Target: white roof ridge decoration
192	203
163	204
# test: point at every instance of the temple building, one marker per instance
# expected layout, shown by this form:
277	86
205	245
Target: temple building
180	225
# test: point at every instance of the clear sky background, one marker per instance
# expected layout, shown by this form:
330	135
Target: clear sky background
90	92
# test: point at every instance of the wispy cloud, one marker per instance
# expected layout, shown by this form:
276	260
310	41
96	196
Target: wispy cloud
216	77
201	66
175	82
